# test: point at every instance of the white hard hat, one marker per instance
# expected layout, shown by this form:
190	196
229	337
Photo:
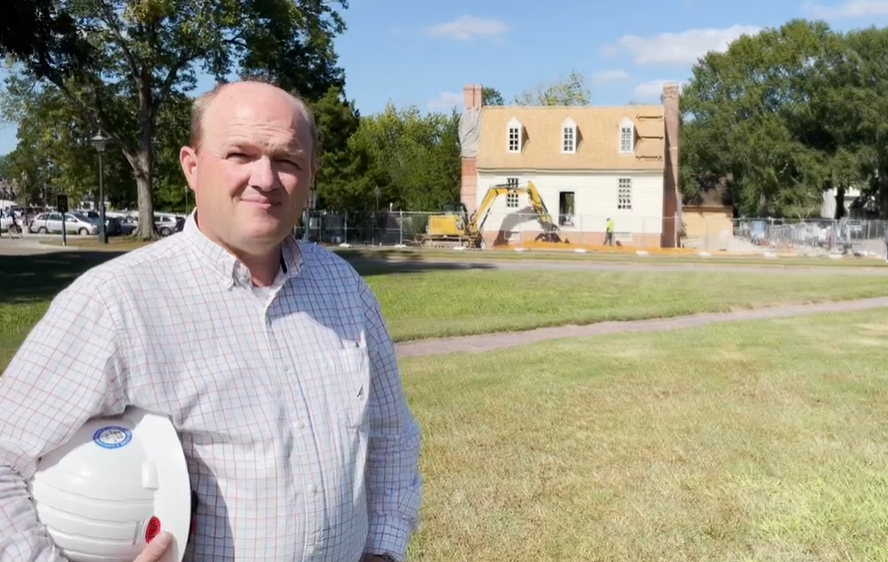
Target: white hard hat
116	484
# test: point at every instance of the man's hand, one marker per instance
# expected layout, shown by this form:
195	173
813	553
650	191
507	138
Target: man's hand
156	548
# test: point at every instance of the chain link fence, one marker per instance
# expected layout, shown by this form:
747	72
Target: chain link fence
411	229
801	236
717	234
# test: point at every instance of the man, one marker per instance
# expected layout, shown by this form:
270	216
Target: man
269	355
885	236
608	232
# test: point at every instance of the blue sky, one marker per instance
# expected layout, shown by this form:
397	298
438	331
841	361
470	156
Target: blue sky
394	51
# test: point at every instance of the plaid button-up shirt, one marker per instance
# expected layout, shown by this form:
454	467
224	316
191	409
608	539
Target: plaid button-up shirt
299	442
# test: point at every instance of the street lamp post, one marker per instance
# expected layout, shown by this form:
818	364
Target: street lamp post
100	142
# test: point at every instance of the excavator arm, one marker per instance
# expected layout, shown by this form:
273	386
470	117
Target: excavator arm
476	223
452	227
479	217
536	201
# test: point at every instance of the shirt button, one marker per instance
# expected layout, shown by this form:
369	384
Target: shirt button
300	424
313	488
310	551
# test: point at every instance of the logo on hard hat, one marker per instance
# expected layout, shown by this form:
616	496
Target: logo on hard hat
112	437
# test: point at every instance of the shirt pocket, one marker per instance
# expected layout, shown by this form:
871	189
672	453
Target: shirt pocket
353	366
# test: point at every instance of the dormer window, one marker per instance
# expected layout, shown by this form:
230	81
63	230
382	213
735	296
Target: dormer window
513	135
627	136
568	136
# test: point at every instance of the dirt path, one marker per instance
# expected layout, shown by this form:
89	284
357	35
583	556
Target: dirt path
490	342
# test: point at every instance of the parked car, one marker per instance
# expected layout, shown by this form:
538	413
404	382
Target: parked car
46	223
165	224
128	225
112	224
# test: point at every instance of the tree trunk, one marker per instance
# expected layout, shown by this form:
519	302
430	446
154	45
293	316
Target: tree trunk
145	230
840	202
144	170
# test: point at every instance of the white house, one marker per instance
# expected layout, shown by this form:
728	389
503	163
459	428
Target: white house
588	164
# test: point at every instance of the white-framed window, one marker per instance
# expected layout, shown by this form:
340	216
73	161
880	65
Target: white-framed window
513	135
568	136
627	136
566	208
512	196
624	194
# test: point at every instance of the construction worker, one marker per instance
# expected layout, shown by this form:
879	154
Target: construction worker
609	232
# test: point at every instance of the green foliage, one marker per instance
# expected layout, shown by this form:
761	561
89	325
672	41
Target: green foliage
412	158
491	96
571	90
173	124
44	34
338	181
144	54
5	166
785	114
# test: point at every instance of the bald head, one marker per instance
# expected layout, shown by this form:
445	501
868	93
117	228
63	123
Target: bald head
247	90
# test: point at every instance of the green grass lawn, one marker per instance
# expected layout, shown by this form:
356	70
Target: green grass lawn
453	303
438	301
755	441
758	441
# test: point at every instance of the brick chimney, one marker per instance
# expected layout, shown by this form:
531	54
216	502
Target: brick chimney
469	180
671	193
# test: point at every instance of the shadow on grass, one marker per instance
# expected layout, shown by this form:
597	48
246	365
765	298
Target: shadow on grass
40	277
387	262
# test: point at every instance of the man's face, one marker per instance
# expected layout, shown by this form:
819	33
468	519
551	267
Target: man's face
252	173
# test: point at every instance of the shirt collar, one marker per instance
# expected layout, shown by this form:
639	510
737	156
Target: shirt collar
225	266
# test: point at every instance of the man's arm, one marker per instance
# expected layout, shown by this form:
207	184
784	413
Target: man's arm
393	481
67	371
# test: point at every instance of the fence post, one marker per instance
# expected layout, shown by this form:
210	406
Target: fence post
345	229
707	233
400	227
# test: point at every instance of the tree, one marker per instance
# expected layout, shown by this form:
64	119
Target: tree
747	116
341	167
173	128
144	53
413	158
5	164
571	90
54	150
39	32
491	96
854	112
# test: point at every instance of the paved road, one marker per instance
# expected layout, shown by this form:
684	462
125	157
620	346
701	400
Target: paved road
29	245
554	265
490	342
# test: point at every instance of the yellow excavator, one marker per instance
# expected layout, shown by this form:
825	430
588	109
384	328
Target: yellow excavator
455	228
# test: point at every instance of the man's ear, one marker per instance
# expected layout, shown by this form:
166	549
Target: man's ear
188	161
